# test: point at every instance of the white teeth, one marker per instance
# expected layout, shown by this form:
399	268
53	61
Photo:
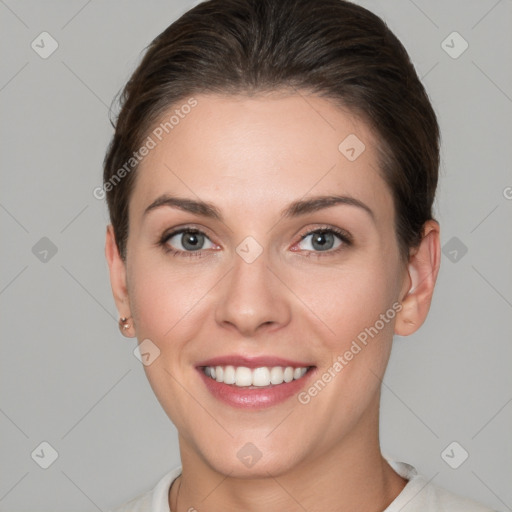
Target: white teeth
242	376
229	375
276	375
261	377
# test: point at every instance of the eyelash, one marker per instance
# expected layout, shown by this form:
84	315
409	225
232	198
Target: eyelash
344	236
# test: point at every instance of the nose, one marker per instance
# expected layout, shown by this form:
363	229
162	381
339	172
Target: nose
253	298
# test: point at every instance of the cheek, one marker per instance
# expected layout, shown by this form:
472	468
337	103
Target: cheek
165	296
347	299
356	303
168	309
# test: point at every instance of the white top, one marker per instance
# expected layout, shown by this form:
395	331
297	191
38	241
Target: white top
417	496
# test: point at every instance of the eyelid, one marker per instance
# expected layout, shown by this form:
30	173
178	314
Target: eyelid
169	233
343	234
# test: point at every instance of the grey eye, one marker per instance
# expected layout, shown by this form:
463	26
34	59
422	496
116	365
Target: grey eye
189	240
321	241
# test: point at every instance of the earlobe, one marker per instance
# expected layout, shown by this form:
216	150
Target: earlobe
422	271
117	270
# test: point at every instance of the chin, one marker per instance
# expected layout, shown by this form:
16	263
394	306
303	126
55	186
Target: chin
248	463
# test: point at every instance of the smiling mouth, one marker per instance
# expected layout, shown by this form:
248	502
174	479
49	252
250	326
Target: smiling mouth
255	378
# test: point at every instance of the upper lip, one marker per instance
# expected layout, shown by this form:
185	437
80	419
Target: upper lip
252	362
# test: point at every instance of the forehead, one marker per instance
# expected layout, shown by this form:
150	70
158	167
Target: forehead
260	152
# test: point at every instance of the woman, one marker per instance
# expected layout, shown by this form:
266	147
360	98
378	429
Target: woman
270	187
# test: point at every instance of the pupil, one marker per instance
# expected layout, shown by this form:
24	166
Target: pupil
192	240
320	239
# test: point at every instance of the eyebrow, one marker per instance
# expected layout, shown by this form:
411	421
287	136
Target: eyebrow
295	209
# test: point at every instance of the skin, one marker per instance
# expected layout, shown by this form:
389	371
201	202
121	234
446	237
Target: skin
252	157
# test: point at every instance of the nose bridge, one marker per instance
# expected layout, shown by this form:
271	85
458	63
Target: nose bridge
252	295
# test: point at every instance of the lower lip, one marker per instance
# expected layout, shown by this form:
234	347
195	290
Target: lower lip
255	398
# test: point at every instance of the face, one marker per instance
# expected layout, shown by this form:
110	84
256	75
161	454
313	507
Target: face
272	272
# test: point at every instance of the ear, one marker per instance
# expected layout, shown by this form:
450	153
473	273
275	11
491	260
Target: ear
117	269
422	270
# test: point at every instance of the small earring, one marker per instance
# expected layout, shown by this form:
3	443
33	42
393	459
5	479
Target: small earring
124	325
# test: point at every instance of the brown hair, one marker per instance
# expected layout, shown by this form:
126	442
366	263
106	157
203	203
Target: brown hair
333	48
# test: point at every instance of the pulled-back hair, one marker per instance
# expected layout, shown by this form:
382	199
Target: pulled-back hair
332	48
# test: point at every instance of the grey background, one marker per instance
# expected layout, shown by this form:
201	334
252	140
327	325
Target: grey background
69	378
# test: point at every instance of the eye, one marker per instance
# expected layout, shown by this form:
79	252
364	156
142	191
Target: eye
186	242
325	240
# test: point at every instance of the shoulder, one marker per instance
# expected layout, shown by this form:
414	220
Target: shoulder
443	499
153	500
421	495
